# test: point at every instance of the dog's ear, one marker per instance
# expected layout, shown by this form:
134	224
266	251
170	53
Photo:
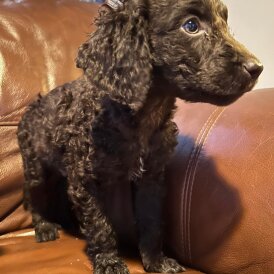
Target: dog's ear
117	56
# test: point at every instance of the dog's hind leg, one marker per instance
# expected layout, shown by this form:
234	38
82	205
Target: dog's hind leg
35	190
36	201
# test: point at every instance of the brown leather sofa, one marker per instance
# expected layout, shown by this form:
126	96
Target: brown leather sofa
220	206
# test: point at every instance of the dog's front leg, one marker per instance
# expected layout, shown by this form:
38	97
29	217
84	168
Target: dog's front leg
95	226
149	196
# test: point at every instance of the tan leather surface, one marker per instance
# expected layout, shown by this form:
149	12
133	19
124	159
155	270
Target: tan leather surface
38	45
221	178
20	254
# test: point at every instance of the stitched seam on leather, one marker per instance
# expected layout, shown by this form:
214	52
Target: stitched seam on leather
14	120
204	138
8	124
195	155
184	189
183	224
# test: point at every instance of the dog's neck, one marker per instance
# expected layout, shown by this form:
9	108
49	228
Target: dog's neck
158	108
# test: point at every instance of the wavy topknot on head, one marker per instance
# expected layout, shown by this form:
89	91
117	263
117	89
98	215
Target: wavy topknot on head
117	56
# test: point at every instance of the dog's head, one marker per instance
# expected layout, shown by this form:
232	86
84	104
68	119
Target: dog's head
186	42
194	49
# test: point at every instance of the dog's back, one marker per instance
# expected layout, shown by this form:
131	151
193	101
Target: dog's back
48	121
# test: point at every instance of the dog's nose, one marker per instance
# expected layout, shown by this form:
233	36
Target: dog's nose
254	68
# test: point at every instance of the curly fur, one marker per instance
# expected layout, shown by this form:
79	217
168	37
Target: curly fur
114	124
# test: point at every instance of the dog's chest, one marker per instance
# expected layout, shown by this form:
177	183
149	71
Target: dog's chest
119	156
119	152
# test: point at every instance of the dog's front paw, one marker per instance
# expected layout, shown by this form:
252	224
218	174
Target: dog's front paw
109	264
164	265
45	231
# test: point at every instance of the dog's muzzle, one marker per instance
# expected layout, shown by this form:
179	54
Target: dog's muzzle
114	4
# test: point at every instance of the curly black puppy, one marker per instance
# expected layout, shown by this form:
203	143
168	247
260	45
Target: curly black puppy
114	124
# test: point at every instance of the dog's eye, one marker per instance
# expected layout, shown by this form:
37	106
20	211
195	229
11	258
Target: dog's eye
191	26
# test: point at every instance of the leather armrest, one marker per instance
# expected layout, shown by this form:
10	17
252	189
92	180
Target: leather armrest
221	185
